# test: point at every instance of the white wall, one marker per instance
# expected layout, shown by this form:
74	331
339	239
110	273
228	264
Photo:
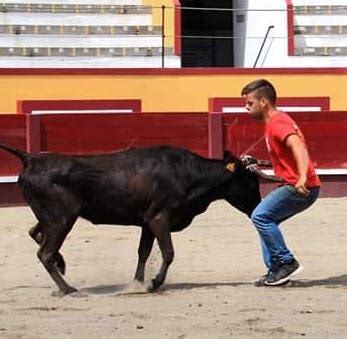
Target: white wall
254	29
319	2
75	19
275	52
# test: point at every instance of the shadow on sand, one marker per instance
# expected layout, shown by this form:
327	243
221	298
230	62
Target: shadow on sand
338	281
333	282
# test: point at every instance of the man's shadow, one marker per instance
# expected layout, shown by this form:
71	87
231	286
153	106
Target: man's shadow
333	282
338	281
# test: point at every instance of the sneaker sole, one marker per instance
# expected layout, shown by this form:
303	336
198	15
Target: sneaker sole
284	280
262	283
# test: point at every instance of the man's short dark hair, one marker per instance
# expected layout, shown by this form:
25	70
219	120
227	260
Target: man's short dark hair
262	88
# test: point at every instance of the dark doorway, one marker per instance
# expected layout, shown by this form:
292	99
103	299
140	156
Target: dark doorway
198	51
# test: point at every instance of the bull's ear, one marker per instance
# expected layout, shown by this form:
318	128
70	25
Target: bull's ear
227	154
229	157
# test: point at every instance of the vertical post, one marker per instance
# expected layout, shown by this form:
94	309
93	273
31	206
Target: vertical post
33	133
290	28
163	36
178	28
215	135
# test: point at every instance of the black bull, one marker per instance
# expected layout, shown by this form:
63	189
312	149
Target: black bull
161	189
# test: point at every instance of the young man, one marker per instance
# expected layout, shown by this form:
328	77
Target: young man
290	160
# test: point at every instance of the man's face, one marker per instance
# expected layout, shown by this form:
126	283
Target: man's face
256	107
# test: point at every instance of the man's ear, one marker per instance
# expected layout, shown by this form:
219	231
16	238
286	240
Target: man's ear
263	102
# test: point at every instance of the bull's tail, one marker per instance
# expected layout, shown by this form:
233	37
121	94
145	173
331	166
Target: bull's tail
23	156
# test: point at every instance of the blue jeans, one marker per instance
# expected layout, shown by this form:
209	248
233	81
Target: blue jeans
279	205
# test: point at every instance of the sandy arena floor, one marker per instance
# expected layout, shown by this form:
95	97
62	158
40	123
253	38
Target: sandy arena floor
208	293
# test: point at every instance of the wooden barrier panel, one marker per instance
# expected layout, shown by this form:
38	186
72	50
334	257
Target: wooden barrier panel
205	134
95	133
12	132
326	134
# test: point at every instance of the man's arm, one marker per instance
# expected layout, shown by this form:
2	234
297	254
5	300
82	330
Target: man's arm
301	158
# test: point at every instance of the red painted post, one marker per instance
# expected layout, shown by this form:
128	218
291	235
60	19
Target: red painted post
290	22
33	133
215	135
178	28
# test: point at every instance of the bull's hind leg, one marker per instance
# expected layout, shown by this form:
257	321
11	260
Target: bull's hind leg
57	210
160	228
145	247
54	236
36	233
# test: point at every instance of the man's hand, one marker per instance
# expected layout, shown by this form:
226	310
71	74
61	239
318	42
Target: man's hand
301	188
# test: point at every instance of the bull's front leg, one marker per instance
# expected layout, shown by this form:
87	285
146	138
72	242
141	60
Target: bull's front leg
144	250
160	228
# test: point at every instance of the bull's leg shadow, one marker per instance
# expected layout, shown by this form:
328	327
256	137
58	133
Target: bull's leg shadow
160	228
36	233
144	250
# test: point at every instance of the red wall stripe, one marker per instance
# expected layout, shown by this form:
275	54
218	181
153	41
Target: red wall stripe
172	71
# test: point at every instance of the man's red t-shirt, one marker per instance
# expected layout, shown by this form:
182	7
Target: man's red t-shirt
277	129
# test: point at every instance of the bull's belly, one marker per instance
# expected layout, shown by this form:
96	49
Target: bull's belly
111	216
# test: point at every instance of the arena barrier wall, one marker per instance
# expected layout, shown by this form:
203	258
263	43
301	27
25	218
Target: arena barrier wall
12	132
166	90
203	133
326	134
95	133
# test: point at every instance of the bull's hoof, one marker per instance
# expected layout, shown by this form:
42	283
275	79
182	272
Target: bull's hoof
154	286
61	293
60	264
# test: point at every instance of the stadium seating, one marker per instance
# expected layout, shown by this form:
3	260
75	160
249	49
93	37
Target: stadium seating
320	27
62	33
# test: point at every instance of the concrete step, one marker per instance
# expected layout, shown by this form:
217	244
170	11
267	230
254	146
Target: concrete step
89	62
73	2
79	30
319	2
74	8
320	20
321	51
74	19
317	30
321	10
320	41
71	52
75	41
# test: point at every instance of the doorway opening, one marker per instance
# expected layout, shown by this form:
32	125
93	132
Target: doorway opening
206	43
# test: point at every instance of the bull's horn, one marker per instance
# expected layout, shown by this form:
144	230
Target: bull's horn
249	160
254	168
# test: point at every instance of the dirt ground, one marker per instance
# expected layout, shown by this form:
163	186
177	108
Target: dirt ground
209	291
